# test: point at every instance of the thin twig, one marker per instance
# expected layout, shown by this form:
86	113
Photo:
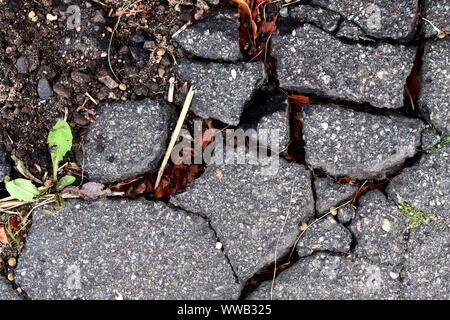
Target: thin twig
313	223
176	132
278	241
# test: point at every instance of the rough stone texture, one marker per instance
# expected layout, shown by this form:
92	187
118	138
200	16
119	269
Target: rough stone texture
247	209
325	235
381	19
378	229
435	79
429	138
330	194
310	60
6	291
221	90
438	13
346	214
216	38
279	121
4	165
427	262
359	145
425	186
324	19
123	248
325	277
350	30
127	139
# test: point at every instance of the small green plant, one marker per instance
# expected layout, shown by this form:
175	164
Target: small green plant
443	142
415	217
60	142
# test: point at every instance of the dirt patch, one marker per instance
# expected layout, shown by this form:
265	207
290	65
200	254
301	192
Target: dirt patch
62	47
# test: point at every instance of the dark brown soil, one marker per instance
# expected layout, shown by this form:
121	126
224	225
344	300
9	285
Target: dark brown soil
73	60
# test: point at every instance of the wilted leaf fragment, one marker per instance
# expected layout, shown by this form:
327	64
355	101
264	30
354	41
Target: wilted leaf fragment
65	182
21	189
60	142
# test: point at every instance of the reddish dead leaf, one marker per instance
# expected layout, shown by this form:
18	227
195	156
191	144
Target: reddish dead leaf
345	180
289	157
3	235
268	26
413	83
366	187
300	99
14	223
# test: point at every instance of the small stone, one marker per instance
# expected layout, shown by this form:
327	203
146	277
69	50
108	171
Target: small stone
51	17
386	225
331	194
303	226
122	87
22	65
31	15
62	91
80	77
394	275
11	277
12	262
148	45
430	138
333	211
106	79
346	214
325	235
218	245
44	89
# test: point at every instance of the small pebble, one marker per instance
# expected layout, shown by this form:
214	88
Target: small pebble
22	65
394	275
11	276
51	17
303	226
122	87
333	211
108	81
44	89
386	225
218	245
61	91
12	262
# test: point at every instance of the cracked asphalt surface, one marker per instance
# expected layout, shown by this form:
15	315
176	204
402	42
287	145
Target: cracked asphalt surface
362	213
